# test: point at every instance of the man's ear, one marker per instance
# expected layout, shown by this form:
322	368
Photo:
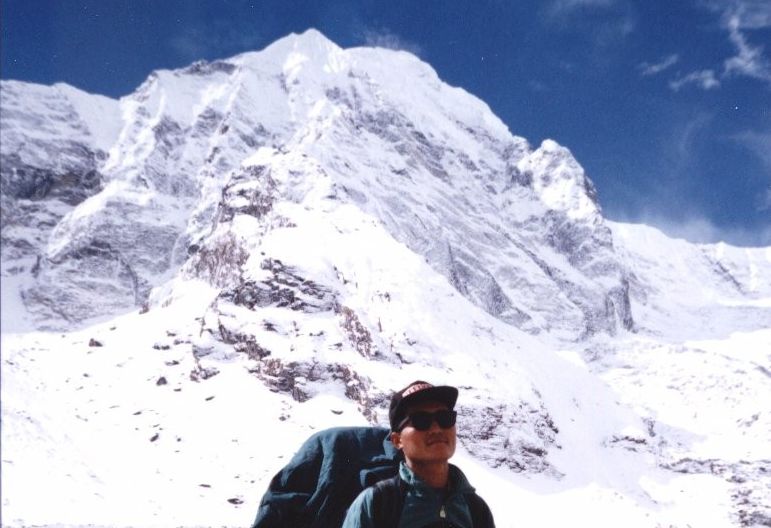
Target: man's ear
396	440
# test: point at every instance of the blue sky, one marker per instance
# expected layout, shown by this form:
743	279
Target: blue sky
666	103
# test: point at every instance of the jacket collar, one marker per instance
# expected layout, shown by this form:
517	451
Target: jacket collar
458	481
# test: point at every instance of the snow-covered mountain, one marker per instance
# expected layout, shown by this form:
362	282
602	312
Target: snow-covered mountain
300	230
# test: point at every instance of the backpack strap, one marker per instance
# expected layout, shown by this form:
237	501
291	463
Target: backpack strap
388	501
481	516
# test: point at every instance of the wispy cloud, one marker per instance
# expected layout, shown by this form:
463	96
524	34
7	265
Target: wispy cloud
751	14
686	141
749	60
609	20
647	69
759	143
385	38
189	45
703	230
217	39
700	230
737	17
559	7
705	79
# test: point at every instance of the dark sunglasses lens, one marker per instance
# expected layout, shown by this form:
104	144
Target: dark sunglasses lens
422	420
445	419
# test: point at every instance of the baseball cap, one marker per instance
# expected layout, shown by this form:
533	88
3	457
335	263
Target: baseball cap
418	392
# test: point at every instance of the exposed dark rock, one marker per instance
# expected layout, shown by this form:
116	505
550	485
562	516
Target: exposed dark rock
518	437
288	377
200	373
630	443
246	344
285	289
251	192
219	261
518	178
203	67
358	334
470	278
295	378
722	271
206	124
70	185
751	481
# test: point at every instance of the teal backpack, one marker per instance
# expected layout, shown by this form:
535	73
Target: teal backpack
331	468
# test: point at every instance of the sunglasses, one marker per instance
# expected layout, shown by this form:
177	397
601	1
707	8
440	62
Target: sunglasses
422	420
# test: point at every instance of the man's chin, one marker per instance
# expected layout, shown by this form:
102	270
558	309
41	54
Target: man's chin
441	447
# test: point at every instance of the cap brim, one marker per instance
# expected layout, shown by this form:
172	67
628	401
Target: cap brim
443	394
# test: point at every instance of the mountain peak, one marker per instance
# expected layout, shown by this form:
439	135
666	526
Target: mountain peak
560	180
311	37
310	43
382	132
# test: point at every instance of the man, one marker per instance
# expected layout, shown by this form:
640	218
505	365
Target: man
429	492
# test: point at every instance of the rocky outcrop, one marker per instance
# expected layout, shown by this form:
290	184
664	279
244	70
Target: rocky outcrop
283	289
50	162
518	437
750	481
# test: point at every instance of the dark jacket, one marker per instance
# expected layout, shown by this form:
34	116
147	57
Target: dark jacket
331	468
423	506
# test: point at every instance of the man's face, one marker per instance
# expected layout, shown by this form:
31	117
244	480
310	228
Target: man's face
434	445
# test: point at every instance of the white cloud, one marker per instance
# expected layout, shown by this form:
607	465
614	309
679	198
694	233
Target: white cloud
751	14
385	38
748	60
647	69
737	17
704	79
